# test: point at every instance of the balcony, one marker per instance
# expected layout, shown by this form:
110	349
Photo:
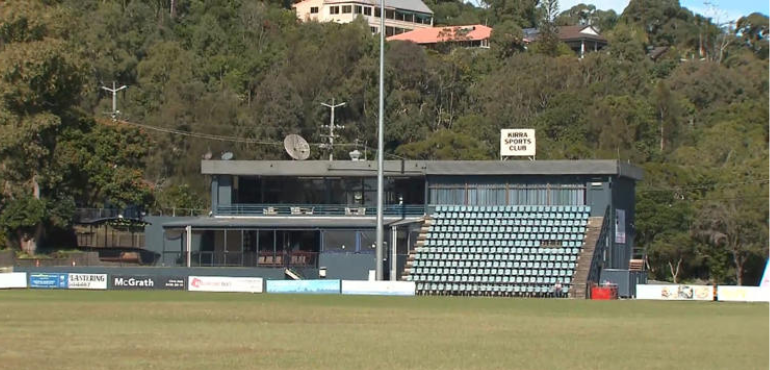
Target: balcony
337	210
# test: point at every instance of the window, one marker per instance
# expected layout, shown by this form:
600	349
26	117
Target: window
389	31
334	10
399	16
373	29
390	14
347	9
357	9
368	11
313	10
377	12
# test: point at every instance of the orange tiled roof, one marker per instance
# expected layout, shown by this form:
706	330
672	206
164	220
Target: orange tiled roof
435	35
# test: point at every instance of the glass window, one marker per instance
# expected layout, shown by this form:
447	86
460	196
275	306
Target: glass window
357	9
377	12
368	11
390	14
334	10
313	10
347	9
373	29
399	16
339	241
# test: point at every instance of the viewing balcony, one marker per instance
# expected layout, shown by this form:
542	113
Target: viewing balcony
339	210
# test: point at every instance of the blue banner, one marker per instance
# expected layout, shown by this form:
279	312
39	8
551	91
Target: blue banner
304	286
48	281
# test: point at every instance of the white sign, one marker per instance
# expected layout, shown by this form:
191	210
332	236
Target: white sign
224	284
620	226
13	280
358	287
729	293
517	143
87	281
675	292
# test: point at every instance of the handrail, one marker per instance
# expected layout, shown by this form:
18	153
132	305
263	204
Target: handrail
242	209
601	244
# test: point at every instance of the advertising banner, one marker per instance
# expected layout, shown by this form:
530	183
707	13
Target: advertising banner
224	284
675	292
13	280
48	281
517	143
729	293
135	282
87	281
360	287
304	286
620	226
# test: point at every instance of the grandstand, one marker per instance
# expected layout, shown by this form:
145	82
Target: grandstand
501	250
492	228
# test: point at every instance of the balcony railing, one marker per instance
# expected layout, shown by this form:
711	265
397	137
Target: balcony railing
402	210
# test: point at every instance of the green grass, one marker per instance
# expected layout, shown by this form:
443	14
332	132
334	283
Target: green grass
181	330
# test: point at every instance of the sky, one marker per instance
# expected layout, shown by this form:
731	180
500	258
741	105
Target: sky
727	9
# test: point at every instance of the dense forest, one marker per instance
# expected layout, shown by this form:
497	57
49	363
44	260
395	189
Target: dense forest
201	73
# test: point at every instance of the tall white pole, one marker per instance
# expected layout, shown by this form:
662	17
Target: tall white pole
114	92
380	147
332	126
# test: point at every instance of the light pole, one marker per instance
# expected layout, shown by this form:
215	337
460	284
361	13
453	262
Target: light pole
114	92
380	148
332	126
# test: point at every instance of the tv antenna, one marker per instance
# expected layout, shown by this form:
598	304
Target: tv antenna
331	126
297	147
114	92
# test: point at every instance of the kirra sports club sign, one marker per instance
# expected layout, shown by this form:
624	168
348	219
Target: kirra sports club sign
517	143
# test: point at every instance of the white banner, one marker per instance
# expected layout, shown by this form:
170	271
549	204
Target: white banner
224	284
675	292
360	287
87	281
730	293
517	143
13	280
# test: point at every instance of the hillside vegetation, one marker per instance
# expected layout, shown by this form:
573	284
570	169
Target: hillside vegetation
696	119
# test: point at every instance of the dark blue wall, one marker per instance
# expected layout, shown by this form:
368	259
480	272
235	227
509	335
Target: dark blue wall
349	266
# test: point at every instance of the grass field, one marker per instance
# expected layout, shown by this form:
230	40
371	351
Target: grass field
180	330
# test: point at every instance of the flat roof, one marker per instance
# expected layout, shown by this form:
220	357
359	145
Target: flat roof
287	222
320	168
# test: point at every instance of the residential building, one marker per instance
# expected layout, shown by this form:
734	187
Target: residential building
476	35
581	39
400	15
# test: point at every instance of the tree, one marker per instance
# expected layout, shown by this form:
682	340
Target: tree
507	38
548	35
753	31
39	82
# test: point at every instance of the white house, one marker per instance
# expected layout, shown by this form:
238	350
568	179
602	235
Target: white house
400	15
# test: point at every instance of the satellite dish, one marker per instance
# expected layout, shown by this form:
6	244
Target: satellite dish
226	156
296	147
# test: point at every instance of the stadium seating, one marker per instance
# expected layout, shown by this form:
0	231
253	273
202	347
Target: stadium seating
499	250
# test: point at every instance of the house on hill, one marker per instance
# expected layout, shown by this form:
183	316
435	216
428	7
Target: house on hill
475	36
400	15
581	39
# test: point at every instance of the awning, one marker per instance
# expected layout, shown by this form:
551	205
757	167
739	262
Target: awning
286	222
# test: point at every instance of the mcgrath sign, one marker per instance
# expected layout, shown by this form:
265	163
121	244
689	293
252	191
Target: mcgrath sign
517	142
147	282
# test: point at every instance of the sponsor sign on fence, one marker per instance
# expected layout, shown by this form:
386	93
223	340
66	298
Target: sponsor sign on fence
304	286
87	281
675	292
224	284
48	281
124	282
360	287
729	293
13	280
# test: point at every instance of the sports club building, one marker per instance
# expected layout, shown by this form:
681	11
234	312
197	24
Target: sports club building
534	228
